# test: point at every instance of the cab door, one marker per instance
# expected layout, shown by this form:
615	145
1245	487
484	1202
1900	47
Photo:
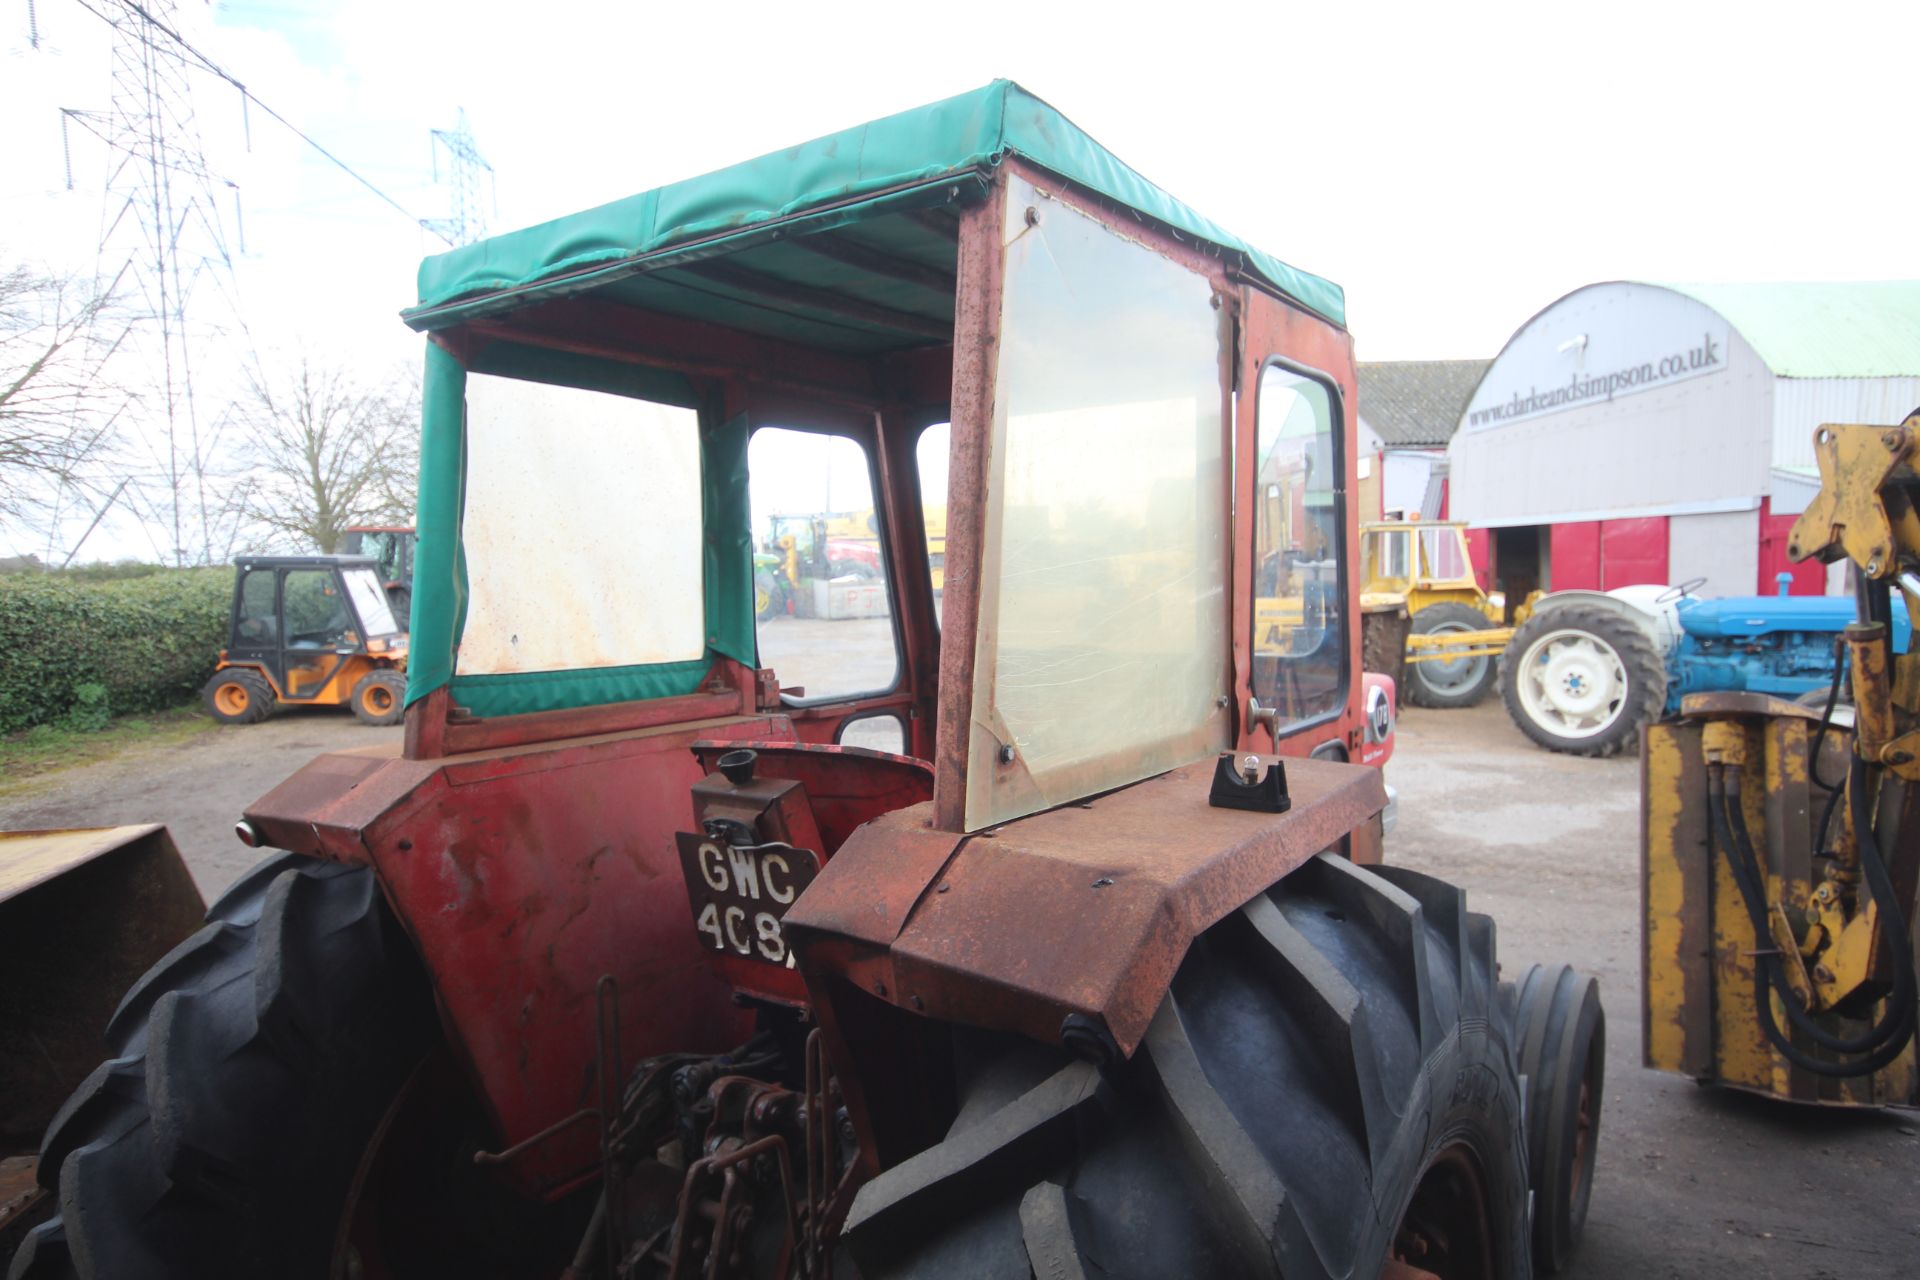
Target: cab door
1296	597
256	621
317	630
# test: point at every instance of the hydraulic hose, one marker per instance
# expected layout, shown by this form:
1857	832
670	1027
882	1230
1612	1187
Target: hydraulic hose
1901	997
1888	1038
1833	789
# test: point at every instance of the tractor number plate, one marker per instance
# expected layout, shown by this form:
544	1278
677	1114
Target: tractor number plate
739	895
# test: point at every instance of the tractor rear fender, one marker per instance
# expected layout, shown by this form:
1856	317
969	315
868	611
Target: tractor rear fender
1065	927
522	875
1635	604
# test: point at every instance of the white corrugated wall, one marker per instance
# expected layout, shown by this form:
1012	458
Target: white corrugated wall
1802	405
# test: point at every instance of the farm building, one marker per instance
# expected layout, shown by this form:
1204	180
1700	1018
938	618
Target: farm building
1635	432
1408	410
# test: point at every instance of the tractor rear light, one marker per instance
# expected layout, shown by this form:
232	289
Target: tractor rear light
246	834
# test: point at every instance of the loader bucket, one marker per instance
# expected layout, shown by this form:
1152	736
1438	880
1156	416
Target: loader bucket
82	915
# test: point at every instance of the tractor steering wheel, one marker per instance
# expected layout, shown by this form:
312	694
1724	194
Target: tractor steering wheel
1680	592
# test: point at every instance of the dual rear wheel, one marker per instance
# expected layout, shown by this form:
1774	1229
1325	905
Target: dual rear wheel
1330	1089
1333	1086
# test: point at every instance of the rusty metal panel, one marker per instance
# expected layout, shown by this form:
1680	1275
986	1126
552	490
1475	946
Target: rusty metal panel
976	362
877	877
1087	908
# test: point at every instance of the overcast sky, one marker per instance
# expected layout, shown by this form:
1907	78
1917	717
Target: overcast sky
1455	166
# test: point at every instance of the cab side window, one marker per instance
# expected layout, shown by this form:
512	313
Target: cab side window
820	583
930	457
1300	627
316	611
256	608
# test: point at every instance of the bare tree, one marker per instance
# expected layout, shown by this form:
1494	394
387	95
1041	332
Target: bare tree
329	452
57	410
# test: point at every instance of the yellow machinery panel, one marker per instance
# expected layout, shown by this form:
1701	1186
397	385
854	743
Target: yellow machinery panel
1698	945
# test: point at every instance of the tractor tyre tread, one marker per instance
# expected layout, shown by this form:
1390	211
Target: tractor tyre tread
1562	1043
248	1070
380	678
1383	646
260	695
1646	672
1365	1001
1462	616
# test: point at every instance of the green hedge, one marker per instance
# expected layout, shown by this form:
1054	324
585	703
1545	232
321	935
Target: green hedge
75	652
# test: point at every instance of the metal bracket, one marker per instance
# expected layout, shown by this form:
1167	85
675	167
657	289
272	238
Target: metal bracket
1849	515
1240	784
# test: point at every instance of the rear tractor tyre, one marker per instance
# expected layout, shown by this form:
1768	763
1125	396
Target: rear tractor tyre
1454	682
238	695
1328	1087
381	697
400	601
1582	680
1383	646
250	1069
1563	1060
766	596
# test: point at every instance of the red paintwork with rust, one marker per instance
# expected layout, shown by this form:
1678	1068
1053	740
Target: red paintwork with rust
1087	909
841	788
523	875
1082	909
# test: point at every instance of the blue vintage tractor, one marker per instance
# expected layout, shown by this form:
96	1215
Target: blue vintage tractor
1588	668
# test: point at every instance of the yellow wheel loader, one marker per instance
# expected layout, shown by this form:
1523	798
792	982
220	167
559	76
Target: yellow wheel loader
1454	631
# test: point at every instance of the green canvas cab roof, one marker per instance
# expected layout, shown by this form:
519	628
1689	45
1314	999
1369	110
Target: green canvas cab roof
878	284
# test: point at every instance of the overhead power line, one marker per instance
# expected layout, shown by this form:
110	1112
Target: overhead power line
248	96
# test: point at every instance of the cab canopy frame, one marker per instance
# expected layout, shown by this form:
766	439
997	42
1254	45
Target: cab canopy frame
870	284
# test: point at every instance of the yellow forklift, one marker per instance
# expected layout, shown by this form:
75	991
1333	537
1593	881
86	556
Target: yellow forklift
1781	840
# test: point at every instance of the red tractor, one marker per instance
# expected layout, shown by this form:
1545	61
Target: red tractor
392	546
629	964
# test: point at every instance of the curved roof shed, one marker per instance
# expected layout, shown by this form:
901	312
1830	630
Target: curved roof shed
1627	398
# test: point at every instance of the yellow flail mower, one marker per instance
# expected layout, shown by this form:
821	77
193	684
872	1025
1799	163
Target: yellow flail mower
1781	840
